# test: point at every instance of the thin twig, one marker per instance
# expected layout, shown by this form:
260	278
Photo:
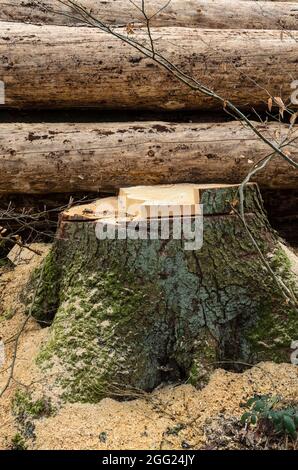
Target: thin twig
20	244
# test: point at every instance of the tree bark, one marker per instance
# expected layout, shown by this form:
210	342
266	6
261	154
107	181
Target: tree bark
137	313
223	14
65	158
61	67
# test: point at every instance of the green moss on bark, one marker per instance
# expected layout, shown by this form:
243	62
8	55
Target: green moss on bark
47	295
99	332
275	328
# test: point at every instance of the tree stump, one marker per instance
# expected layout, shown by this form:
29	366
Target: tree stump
135	313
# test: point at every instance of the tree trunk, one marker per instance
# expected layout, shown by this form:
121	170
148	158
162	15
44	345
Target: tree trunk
60	67
223	14
43	158
138	313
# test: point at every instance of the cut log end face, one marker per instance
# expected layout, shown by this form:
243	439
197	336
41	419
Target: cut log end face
146	202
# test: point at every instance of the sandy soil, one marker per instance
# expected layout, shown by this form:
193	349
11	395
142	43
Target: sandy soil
169	418
12	317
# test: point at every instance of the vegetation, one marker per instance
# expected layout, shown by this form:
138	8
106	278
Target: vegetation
26	410
24	405
271	416
18	442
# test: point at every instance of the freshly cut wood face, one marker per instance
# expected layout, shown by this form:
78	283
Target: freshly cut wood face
145	202
101	208
148	201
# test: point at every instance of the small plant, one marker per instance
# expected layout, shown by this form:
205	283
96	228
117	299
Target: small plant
18	442
26	410
8	314
270	417
23	405
175	429
3	262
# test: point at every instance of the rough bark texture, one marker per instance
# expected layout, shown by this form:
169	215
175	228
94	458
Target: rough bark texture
230	14
43	158
136	313
56	66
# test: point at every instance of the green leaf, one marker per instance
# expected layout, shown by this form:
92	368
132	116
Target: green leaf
253	419
260	405
251	401
274	416
245	417
273	401
290	425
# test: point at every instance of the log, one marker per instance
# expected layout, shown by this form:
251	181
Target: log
224	14
135	313
72	157
61	67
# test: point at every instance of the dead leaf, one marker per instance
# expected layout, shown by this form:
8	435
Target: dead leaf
130	28
281	105
270	103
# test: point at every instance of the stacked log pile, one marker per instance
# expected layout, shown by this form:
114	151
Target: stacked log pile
243	50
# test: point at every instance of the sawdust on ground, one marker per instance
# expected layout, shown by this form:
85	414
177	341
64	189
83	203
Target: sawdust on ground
12	317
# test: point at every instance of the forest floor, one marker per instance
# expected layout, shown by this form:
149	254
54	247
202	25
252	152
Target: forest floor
172	417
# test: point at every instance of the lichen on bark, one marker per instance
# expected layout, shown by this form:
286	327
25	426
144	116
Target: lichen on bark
274	329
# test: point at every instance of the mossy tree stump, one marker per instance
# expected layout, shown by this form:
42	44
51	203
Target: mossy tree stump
137	313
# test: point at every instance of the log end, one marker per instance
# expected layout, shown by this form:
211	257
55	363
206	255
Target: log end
144	201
